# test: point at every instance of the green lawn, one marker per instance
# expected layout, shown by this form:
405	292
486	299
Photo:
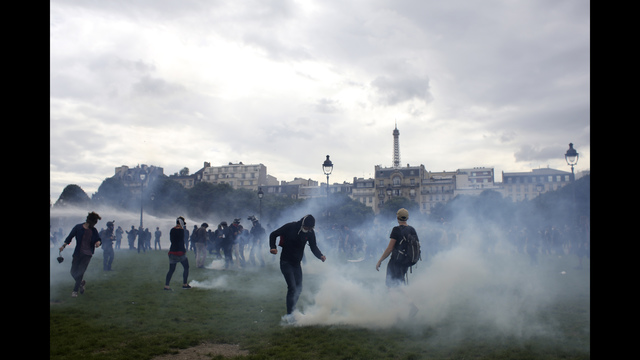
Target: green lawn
125	314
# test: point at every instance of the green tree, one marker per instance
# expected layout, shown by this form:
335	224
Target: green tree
169	197
274	206
348	211
73	195
391	207
205	198
112	192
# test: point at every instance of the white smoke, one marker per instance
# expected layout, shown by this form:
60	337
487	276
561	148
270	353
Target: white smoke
466	285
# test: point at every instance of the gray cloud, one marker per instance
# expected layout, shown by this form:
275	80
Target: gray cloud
391	91
174	84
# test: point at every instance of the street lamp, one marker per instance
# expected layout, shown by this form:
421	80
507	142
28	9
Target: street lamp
571	157
327	168
260	195
143	175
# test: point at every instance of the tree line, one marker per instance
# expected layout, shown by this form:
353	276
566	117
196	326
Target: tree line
164	197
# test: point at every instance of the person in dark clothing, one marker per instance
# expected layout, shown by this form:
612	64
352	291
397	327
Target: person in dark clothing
218	237
147	238
142	235
178	253
226	241
192	239
87	239
235	233
396	273
119	233
257	238
156	243
107	238
131	237
200	238
293	238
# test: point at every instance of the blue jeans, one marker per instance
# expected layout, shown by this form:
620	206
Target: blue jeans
293	276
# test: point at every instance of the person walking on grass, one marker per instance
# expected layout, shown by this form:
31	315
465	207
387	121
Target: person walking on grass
107	238
293	238
396	273
178	254
87	240
200	237
156	243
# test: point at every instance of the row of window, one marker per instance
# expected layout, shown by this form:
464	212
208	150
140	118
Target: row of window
397	181
533	179
533	188
216	177
226	169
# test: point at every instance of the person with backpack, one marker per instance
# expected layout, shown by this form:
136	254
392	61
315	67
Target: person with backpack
402	251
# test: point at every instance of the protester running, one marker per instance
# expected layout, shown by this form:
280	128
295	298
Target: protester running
293	237
87	240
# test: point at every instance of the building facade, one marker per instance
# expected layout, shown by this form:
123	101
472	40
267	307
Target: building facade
426	188
436	188
392	182
364	191
239	176
522	186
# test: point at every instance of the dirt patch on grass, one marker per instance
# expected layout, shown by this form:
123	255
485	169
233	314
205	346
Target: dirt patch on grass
205	351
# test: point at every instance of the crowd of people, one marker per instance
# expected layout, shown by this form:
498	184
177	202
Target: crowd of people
238	246
241	248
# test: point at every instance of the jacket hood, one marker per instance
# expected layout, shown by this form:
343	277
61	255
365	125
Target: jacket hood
307	220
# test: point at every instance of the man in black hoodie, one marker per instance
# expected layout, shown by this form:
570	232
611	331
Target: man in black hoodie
293	237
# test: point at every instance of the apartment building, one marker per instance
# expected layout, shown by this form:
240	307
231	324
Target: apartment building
521	186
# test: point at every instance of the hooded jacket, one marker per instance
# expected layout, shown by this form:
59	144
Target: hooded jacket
293	241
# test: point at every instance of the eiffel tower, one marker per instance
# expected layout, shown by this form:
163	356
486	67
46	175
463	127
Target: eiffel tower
396	147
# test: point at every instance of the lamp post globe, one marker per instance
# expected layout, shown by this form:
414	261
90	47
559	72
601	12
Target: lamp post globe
571	157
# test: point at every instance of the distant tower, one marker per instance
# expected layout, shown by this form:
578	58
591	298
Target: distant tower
396	147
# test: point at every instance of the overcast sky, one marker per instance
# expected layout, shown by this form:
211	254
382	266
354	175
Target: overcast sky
501	84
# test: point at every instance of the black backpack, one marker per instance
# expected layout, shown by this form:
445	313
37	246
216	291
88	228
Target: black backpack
408	249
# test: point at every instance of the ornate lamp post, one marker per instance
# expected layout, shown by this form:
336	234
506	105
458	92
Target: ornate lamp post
571	156
143	176
327	168
260	195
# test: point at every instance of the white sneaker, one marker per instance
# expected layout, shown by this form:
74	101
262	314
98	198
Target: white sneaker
74	294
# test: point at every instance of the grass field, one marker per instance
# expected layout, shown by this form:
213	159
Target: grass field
125	313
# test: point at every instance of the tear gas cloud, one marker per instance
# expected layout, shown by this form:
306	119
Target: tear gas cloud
476	279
